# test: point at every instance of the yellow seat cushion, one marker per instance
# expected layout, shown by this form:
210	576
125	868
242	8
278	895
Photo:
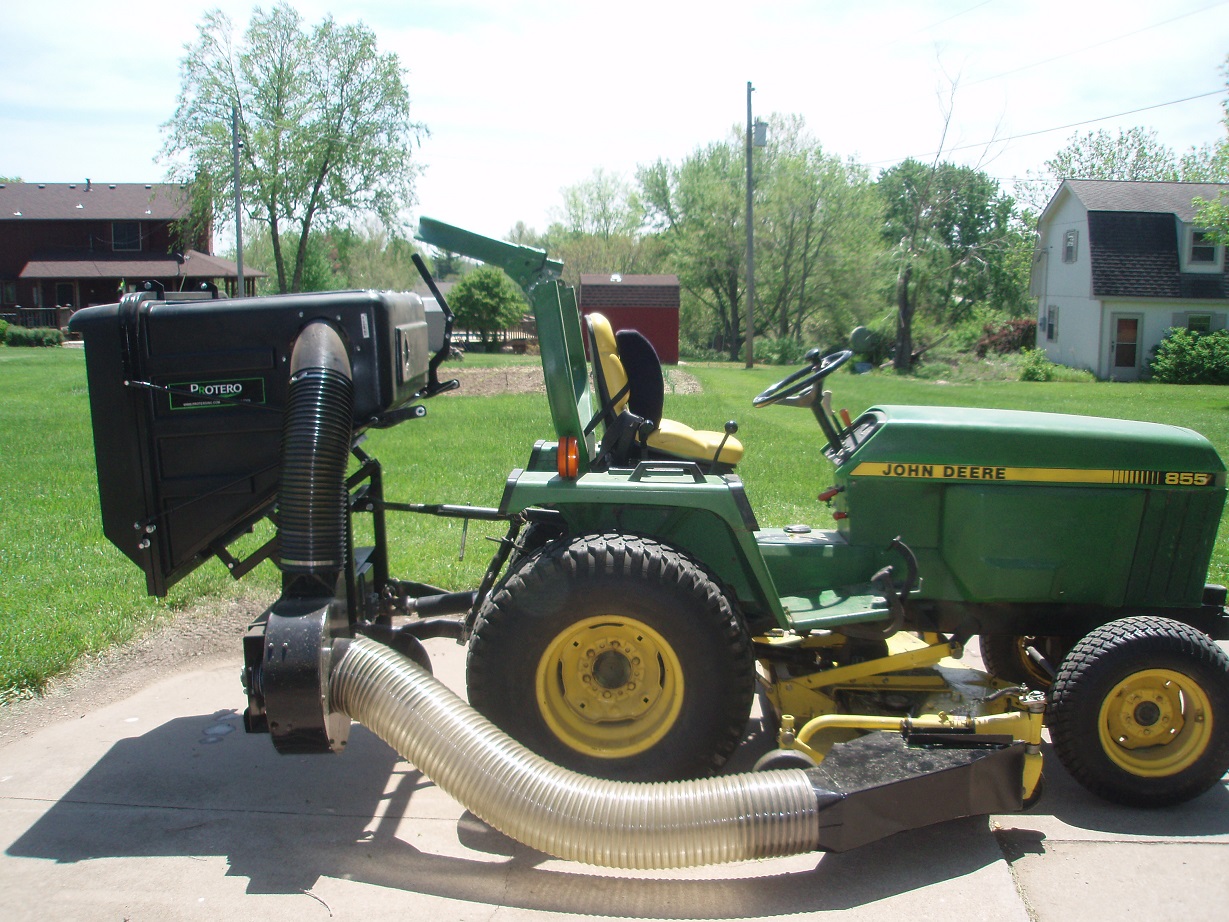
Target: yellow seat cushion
608	356
670	437
680	440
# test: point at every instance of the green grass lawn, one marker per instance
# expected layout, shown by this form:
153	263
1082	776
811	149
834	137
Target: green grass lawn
66	592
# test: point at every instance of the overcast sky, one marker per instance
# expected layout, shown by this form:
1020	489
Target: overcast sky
524	98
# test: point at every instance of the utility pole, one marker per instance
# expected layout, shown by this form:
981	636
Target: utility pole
234	148
749	350
757	136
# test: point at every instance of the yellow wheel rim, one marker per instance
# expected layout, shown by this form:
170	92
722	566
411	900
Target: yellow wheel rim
1155	722
609	686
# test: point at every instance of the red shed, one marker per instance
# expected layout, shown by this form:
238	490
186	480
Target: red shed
648	303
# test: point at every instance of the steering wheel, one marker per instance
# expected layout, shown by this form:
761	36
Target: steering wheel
803	378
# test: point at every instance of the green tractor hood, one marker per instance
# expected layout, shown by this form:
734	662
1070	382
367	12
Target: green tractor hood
1011	506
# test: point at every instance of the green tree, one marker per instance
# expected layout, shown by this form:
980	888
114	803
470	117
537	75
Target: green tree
698	207
524	235
371	257
316	264
1135	154
324	118
953	242
908	190
604	206
445	265
817	242
1211	164
598	229
486	301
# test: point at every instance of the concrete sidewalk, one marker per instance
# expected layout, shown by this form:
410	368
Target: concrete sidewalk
160	807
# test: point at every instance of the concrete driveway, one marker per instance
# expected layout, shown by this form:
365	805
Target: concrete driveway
159	806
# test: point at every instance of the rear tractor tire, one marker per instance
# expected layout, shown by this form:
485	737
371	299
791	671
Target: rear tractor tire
615	656
1139	712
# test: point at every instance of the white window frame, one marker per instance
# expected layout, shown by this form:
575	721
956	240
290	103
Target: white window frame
1071	246
1190	241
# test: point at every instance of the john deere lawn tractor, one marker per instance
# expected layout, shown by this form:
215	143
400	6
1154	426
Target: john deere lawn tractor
629	636
636	605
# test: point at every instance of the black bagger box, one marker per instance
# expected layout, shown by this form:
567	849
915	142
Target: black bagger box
186	396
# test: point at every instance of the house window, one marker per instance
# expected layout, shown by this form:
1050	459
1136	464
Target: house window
1199	323
1200	253
65	294
125	235
8	292
1071	241
1203	250
1052	323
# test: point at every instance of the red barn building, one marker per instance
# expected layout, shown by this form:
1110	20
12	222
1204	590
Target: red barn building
648	303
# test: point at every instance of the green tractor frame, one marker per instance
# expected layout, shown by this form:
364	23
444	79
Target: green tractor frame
636	606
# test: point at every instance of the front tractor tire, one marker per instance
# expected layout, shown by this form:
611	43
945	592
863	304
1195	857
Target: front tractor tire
1139	712
615	656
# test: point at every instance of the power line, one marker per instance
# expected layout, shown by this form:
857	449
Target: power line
935	25
1117	38
1039	131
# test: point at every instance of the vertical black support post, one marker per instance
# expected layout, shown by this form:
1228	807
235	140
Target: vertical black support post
379	557
235	146
749	347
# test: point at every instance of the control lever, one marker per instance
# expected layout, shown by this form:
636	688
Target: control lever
730	428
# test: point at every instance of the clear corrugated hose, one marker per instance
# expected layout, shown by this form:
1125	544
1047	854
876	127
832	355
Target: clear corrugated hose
610	823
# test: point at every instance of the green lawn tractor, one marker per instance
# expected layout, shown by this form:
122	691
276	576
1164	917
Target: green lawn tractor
635	606
628	636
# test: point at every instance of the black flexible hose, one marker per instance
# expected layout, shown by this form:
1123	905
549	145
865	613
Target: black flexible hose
316	437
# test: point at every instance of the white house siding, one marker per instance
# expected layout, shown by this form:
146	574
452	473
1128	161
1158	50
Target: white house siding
1078	333
1158	318
1067	286
1085	333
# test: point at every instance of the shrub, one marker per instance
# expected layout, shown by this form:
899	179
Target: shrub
1187	357
691	352
4	328
779	351
1013	336
1036	367
33	336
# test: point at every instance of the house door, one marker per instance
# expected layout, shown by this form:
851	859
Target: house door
1124	346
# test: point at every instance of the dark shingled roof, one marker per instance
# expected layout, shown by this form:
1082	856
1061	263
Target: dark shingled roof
1133	238
1133	254
598	291
127	201
1176	198
196	265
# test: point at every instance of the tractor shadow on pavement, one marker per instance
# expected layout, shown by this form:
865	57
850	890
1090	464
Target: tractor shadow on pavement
199	786
1070	804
